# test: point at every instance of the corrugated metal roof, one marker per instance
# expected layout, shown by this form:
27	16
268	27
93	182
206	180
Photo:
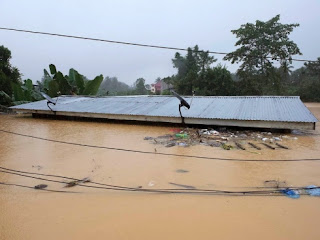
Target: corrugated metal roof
261	108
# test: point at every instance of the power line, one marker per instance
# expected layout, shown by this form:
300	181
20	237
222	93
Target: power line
160	153
42	189
14	171
272	192
8	170
132	44
59	176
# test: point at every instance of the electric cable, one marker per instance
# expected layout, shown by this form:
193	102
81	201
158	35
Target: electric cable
133	44
96	183
42	189
277	191
161	153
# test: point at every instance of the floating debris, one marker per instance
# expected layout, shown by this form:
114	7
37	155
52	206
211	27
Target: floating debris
165	136
313	190
76	182
243	135
175	130
151	183
214	132
279	145
269	146
182	185
226	146
291	193
275	183
183	144
170	144
223	138
254	146
181	135
239	146
214	144
277	138
41	186
37	167
181	171
148	138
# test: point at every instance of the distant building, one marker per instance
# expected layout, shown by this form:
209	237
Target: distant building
159	87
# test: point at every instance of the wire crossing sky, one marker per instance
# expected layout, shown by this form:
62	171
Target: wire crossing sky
184	24
128	43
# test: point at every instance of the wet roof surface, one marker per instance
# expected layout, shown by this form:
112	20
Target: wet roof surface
261	108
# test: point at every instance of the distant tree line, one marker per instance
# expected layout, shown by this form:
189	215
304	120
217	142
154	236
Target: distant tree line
112	87
264	54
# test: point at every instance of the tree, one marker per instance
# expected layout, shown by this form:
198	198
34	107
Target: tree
158	79
309	89
111	86
74	83
191	70
219	82
8	75
261	44
140	88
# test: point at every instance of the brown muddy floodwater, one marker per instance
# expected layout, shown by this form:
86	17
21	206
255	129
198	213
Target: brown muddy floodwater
107	214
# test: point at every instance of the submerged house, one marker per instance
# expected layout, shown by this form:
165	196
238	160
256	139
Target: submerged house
280	112
159	87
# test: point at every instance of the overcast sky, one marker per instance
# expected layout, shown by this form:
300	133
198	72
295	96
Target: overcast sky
167	22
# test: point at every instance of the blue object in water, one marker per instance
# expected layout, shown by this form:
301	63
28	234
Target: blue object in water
313	190
291	193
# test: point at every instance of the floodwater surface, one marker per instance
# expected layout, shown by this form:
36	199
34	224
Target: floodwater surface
97	213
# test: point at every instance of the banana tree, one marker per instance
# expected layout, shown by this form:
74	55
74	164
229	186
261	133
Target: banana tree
74	83
24	92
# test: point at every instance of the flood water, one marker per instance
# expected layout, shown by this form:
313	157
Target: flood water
92	213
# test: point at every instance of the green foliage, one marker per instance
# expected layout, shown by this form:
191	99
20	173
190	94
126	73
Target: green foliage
218	82
260	45
139	87
24	92
308	82
166	92
5	98
196	74
53	88
8	75
74	83
92	87
76	80
64	86
53	69
192	70
261	40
